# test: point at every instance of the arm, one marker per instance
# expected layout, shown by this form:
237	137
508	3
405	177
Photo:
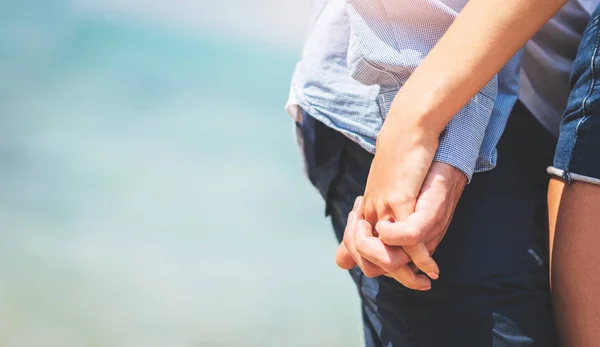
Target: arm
485	35
483	38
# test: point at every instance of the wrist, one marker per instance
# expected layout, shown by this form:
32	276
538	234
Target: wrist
397	134
449	174
421	112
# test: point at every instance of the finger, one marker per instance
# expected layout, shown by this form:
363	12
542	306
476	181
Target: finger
406	233
368	268
343	258
407	276
410	235
393	260
423	261
374	250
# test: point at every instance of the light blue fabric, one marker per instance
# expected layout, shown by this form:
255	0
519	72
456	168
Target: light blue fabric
358	55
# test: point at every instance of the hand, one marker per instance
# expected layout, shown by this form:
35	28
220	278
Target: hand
402	161
424	228
433	212
391	261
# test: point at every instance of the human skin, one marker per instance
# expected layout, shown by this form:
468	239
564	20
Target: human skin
408	140
574	221
431	213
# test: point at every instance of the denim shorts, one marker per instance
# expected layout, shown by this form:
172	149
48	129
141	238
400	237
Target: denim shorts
577	156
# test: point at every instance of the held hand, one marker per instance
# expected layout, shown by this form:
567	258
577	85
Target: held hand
378	259
433	212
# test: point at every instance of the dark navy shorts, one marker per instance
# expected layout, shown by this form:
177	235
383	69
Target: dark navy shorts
578	151
493	289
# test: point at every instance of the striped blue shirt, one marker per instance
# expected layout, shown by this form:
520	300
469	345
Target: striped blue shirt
358	55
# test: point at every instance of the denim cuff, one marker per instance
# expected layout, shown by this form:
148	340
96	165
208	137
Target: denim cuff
569	177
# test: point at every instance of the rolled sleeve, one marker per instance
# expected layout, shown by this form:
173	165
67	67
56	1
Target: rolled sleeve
461	141
389	40
470	139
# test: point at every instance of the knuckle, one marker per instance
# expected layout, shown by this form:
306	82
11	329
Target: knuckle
399	200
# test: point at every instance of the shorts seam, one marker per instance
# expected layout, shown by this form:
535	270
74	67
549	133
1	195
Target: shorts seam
572	176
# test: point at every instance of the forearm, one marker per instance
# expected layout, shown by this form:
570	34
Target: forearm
485	35
574	235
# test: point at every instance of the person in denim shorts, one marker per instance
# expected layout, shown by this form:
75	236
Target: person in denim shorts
574	201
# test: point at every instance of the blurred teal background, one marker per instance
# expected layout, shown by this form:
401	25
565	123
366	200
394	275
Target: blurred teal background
151	193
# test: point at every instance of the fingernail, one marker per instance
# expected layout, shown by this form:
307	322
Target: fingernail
433	275
356	201
425	288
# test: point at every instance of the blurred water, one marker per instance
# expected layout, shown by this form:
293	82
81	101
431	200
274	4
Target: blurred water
151	193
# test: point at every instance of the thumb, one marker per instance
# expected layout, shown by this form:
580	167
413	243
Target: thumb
411	235
408	233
